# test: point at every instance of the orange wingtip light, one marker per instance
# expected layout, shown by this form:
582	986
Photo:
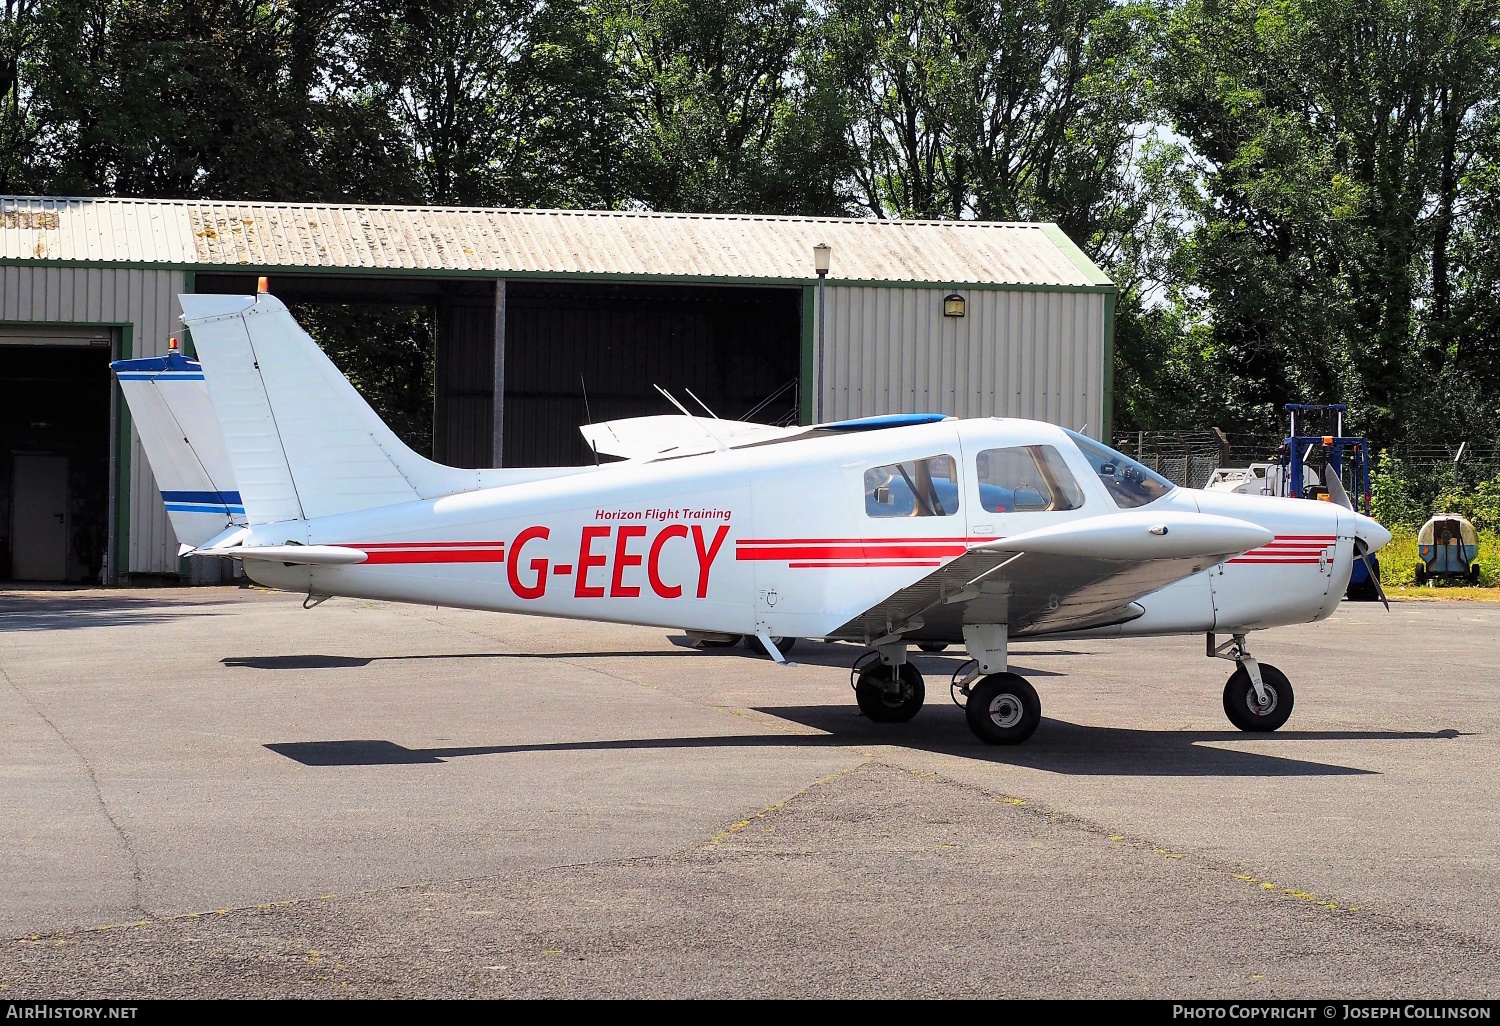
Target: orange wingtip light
263	284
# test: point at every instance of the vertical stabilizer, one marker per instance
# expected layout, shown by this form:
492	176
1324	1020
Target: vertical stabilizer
302	442
170	407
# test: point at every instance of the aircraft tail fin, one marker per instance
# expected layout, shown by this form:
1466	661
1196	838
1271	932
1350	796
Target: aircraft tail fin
302	442
173	415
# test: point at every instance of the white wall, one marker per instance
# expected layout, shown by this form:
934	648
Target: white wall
1038	355
145	300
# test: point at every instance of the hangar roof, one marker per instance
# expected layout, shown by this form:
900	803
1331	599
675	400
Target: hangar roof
252	236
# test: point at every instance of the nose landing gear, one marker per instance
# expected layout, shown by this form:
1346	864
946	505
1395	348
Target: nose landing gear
1258	697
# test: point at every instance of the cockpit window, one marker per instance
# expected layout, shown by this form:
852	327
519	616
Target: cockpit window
1129	483
916	488
1026	478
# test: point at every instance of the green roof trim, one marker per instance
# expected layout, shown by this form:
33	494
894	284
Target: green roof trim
686	279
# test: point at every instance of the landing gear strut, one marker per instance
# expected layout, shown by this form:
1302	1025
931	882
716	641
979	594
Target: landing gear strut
1258	697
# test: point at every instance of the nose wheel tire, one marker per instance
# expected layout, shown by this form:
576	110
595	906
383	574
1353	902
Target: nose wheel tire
1246	712
888	696
933	646
1003	709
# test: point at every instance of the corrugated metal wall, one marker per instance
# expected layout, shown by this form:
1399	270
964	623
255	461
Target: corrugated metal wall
1038	355
463	423
145	300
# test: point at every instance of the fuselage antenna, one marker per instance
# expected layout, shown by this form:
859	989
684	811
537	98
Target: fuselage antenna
701	403
696	420
588	414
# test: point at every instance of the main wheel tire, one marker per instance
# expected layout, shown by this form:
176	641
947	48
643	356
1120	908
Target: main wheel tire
716	643
1421	574
1003	709
783	645
890	706
933	646
1245	712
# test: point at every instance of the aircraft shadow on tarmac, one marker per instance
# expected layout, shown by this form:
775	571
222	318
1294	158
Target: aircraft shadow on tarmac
1057	747
814	655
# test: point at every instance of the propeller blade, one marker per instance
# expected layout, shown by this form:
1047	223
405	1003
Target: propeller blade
1374	578
1336	489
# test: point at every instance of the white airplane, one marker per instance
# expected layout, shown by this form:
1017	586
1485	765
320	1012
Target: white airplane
887	531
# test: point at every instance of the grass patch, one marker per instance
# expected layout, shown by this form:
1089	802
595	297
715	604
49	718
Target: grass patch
1442	593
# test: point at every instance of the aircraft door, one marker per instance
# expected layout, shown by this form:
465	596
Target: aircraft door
1018	488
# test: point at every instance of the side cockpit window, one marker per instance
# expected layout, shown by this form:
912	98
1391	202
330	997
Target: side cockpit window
916	488
1026	478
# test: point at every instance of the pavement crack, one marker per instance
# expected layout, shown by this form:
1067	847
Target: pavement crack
137	878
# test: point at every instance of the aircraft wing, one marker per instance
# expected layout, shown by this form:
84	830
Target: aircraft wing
1081	574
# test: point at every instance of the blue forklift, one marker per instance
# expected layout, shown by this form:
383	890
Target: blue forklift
1340	453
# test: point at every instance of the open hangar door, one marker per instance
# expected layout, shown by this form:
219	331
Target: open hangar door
737	348
54	452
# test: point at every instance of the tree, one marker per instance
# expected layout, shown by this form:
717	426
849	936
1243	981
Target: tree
1331	141
727	107
496	101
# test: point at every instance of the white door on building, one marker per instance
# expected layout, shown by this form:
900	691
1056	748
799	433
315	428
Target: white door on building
39	518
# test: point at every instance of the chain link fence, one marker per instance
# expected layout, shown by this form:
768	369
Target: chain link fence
1189	458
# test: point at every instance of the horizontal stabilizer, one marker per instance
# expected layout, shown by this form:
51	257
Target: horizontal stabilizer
174	419
305	555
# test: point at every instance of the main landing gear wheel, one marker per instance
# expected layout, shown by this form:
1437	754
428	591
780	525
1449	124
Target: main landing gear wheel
888	694
717	641
1246	712
932	646
1003	709
783	645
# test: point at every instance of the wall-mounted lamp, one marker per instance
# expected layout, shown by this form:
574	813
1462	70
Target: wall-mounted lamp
953	305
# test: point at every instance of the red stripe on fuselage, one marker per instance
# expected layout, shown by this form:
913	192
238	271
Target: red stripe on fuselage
894	562
852	552
434	556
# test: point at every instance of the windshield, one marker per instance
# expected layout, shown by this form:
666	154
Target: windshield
1129	483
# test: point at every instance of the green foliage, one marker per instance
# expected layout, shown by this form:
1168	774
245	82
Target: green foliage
727	107
1479	505
1404	498
1341	154
387	353
1394	498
